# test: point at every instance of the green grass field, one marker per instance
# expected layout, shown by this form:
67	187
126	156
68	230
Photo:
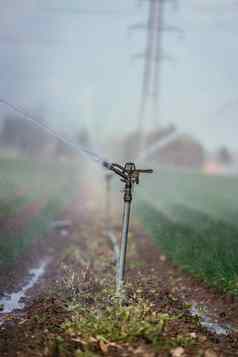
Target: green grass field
23	181
193	218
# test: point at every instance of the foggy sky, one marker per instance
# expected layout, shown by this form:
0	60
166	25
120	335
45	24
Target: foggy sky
79	67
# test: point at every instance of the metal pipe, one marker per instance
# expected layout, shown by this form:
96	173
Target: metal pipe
130	176
124	241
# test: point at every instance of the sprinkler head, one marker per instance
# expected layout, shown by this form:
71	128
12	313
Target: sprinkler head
129	173
107	165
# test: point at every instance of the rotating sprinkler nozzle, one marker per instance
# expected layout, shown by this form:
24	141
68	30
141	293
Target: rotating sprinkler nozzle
129	175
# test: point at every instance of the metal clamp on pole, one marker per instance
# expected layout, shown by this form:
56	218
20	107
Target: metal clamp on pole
130	175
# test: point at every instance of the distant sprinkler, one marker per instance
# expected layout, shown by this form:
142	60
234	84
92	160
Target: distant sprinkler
108	214
130	176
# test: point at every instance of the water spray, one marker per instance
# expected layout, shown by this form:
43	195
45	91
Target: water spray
160	144
76	147
130	176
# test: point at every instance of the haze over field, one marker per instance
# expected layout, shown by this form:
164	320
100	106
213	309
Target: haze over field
76	66
118	178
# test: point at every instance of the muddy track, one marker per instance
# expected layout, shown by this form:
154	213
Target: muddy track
10	273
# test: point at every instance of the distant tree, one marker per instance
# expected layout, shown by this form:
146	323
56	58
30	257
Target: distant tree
22	135
63	150
224	156
132	142
83	137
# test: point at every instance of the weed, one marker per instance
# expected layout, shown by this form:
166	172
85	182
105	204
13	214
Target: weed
107	322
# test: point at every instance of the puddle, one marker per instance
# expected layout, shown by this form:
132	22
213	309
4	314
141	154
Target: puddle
61	224
208	323
115	245
13	301
64	232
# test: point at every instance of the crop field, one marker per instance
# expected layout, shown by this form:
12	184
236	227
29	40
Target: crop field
193	218
32	194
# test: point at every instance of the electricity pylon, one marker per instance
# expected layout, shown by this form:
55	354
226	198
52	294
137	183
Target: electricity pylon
156	77
151	72
147	72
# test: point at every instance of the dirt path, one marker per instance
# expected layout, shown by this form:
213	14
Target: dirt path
73	312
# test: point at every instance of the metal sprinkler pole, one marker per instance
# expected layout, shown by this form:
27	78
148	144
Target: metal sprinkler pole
129	175
124	237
